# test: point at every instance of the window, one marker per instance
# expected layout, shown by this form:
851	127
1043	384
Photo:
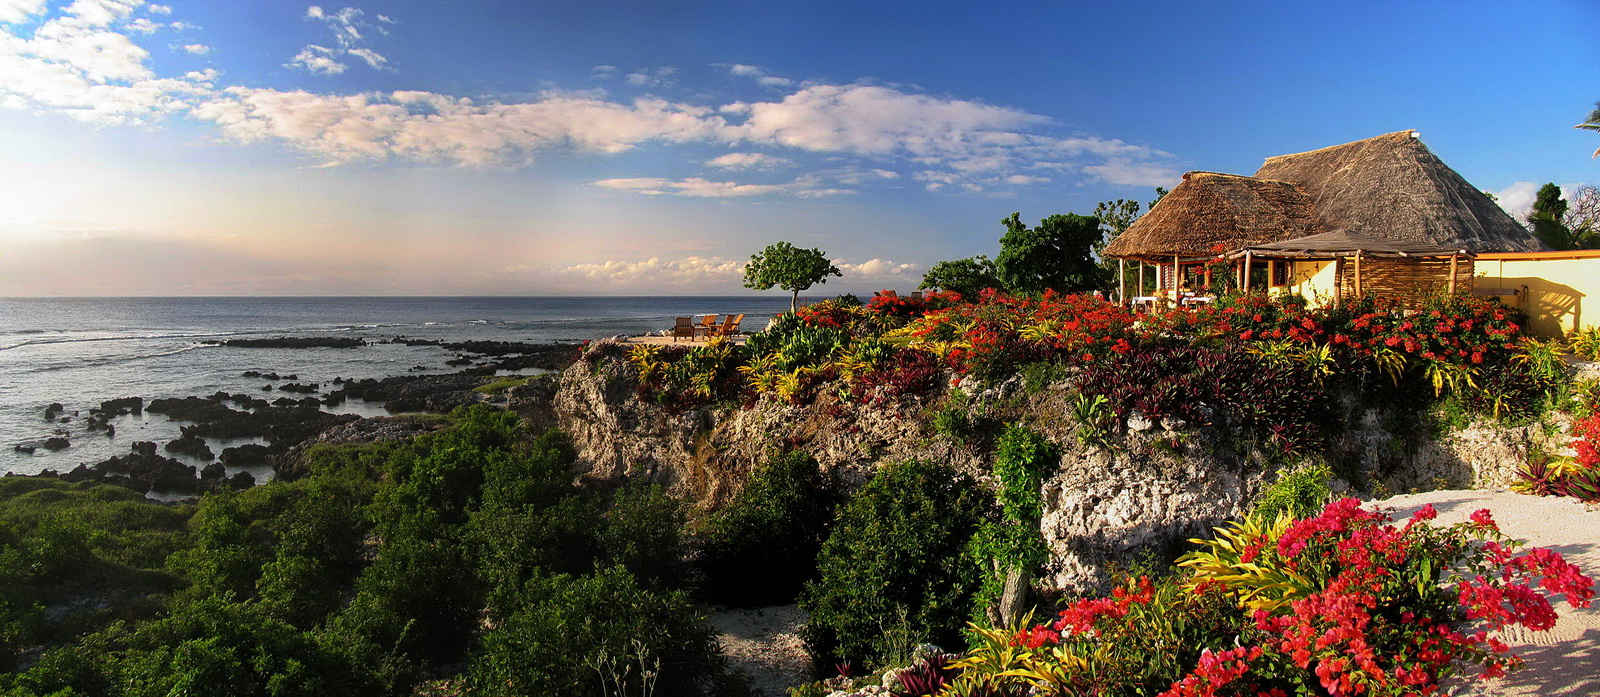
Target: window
1282	273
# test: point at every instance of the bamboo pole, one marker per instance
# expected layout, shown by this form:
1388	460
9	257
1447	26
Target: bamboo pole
1177	279
1272	273
1358	273
1247	262
1122	282
1452	274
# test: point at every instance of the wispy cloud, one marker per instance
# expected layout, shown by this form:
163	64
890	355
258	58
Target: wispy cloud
348	27
195	49
759	74
749	160
658	77
693	187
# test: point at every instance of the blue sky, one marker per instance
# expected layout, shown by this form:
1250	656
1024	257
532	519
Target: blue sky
593	147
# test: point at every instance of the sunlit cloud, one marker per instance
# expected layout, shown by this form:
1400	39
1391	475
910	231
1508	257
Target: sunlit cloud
346	26
748	160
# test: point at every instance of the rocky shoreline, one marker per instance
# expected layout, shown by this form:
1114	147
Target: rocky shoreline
285	425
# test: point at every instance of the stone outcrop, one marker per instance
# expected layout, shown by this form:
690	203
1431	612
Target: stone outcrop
1156	482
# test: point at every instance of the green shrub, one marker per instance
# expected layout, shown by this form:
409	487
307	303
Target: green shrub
1013	543
953	418
762	546
499	385
566	626
642	532
898	549
1300	493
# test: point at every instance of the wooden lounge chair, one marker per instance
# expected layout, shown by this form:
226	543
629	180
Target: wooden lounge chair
683	327
707	326
731	326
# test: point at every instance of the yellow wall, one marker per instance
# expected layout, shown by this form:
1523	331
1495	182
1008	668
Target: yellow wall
1552	289
1313	280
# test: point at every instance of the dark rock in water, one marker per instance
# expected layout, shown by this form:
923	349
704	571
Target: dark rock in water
56	443
370	430
214	472
192	446
266	388
439	393
269	375
458	361
284	422
53	411
249	455
334	398
118	407
144	448
299	388
141	470
293	342
242	481
111	431
26	448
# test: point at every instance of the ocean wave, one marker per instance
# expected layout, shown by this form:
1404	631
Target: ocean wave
109	360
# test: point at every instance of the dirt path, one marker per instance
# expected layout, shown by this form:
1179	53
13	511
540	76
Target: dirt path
765	644
1566	659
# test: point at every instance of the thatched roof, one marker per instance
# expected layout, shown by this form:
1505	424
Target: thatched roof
1208	209
1393	187
1341	243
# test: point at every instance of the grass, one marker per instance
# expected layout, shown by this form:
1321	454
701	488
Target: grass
501	385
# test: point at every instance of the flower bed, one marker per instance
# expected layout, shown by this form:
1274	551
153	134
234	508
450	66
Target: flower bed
1344	603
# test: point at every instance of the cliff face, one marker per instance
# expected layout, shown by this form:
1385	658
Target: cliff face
1156	486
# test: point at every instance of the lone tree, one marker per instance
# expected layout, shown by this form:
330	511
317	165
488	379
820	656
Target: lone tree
965	276
1057	254
1592	123
788	267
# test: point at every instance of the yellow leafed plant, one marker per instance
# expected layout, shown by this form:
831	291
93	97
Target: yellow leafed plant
1259	581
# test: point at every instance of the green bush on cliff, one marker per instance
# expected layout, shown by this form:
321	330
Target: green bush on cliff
896	556
1298	492
570	632
1012	543
762	546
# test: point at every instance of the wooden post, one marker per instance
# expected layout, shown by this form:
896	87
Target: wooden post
1247	258
1452	274
1141	276
1358	273
1272	273
1338	281
1122	282
1177	279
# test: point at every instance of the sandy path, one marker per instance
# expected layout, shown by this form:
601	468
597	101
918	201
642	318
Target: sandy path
1566	659
765	644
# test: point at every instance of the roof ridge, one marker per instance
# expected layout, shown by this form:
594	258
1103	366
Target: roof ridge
1237	176
1409	132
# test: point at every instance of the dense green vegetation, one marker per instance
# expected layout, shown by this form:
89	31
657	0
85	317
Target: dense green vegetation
382	567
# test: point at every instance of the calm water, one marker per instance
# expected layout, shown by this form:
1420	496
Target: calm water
81	351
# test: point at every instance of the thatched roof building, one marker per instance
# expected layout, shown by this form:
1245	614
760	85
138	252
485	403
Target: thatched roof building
1388	187
1208	209
1393	187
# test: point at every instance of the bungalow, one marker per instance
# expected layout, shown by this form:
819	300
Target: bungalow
1382	215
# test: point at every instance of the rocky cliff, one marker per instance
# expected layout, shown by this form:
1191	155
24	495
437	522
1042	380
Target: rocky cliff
1148	487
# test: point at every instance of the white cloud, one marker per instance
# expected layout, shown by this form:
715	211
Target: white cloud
878	268
1126	172
159	9
1023	179
603	72
196	49
373	58
316	59
99	13
346	26
691	270
143	26
13	11
748	160
693	187
758	73
660	77
431	127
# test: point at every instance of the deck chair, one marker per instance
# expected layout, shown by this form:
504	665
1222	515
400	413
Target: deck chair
683	327
707	326
731	326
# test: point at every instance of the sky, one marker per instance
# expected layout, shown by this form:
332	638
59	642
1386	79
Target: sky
394	147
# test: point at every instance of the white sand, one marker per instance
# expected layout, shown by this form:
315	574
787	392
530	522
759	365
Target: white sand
1566	659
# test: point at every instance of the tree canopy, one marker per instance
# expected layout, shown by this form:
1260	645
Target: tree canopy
788	267
1054	255
1592	123
965	276
1548	219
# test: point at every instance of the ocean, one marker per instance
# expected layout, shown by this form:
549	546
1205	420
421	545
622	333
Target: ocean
82	351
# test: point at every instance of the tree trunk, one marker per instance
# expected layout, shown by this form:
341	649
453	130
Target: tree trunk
794	301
